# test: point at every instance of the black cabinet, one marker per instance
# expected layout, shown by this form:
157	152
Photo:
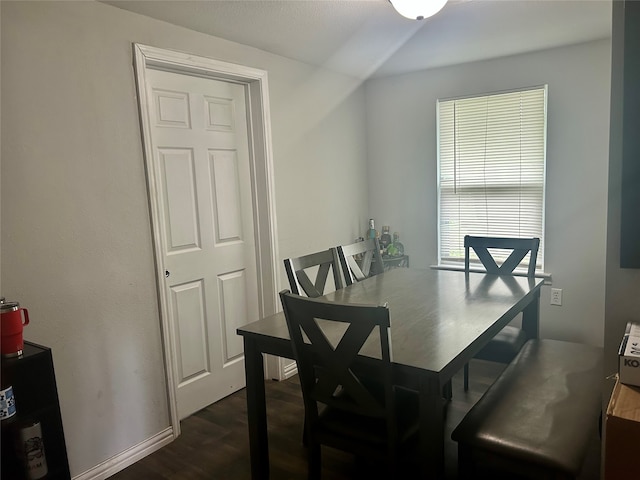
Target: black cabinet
34	387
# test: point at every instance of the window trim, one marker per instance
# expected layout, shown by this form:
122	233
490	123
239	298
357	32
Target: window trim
453	264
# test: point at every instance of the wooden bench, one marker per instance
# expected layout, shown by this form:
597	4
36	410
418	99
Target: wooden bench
537	419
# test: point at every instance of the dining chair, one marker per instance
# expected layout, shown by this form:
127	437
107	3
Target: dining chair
360	260
350	401
507	343
299	270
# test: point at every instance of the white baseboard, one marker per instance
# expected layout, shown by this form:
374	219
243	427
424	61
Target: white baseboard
278	368
290	370
128	457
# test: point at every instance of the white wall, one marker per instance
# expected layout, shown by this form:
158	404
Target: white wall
76	242
401	128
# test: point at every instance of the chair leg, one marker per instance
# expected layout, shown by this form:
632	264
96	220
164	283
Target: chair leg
304	432
314	461
466	377
447	391
392	465
465	462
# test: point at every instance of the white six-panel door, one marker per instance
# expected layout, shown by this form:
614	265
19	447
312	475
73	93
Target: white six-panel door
202	166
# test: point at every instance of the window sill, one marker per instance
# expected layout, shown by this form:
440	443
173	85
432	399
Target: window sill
546	276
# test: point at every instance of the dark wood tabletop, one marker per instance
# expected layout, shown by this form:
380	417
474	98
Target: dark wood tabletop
439	320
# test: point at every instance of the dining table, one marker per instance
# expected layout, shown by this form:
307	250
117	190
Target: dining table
439	320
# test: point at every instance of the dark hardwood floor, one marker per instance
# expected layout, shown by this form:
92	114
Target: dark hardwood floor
214	442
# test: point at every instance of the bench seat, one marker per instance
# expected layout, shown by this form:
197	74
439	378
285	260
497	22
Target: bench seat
537	419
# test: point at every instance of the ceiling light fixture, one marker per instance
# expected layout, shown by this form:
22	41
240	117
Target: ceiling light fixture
418	9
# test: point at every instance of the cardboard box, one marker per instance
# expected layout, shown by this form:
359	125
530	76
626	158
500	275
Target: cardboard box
629	355
622	433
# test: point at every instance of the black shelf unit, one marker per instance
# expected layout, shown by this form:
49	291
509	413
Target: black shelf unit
34	386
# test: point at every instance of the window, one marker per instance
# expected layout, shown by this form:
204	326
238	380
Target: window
491	169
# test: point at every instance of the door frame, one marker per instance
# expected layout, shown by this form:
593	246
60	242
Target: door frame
261	159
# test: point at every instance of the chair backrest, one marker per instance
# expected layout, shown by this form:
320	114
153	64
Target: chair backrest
360	260
298	271
519	247
327	362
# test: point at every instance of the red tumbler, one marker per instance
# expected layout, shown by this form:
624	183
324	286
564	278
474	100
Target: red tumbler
11	325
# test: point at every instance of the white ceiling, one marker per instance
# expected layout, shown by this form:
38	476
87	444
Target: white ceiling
364	38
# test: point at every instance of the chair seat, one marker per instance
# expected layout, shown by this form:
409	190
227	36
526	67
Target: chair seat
504	346
373	431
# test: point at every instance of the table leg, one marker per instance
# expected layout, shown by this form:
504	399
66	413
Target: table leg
431	427
256	410
531	317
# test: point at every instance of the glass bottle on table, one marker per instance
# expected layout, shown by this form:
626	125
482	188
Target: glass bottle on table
371	234
385	239
398	246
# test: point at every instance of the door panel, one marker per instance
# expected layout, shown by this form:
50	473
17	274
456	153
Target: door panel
181	218
227	196
191	332
233	293
200	137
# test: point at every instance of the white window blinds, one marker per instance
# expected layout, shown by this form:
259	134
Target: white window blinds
491	166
